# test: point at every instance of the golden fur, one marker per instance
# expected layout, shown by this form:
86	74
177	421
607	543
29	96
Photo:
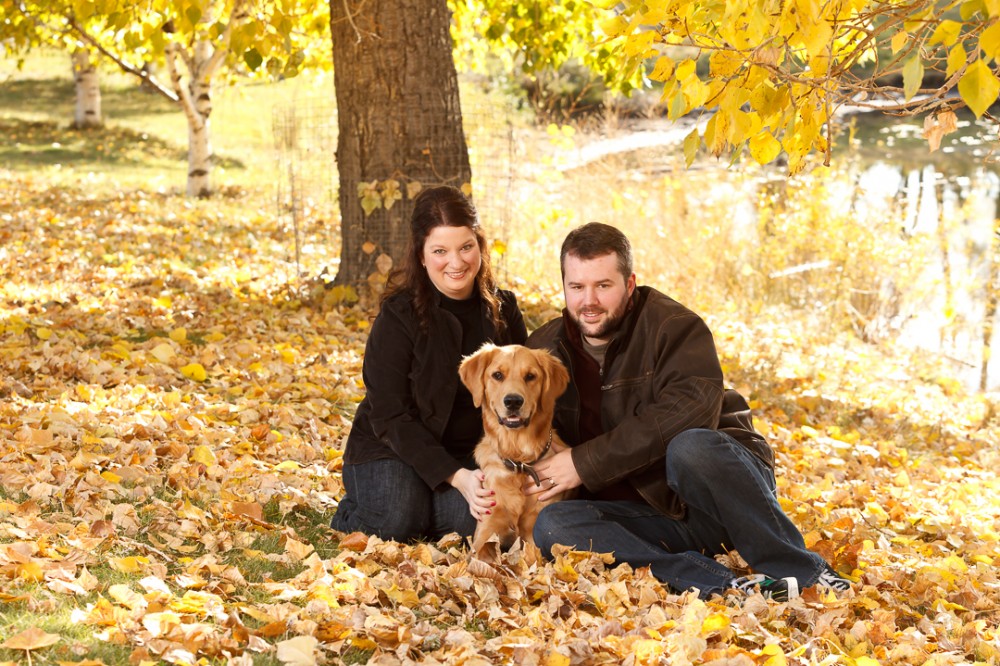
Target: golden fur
517	389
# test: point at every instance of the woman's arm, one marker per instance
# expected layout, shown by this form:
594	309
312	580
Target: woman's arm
395	416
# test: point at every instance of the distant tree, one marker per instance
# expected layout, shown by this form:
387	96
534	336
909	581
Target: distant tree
21	30
779	69
195	39
87	110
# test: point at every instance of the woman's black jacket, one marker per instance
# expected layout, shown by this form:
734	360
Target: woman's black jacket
411	376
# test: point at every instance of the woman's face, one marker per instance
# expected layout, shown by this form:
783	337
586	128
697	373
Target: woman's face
451	257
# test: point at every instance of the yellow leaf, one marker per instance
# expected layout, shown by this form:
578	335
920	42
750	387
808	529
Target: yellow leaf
163	302
956	59
899	41
913	76
866	661
298	550
648	651
979	87
775	655
989	41
194	371
946	32
663	69
110	477
691	144
32	638
163	352
298	651
204	455
287	466
363	643
554	658
132	564
43	333
30	571
499	247
160	624
613	26
179	335
714	622
764	147
370	198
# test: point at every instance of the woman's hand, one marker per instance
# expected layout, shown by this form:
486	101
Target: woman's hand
470	483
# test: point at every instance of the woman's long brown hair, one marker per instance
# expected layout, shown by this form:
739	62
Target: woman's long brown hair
435	207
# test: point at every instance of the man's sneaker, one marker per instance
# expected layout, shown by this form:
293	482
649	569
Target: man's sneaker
833	580
779	589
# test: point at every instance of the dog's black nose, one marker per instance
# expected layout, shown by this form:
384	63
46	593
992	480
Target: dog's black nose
512	401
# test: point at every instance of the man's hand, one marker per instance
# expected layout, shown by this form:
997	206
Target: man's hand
470	483
557	474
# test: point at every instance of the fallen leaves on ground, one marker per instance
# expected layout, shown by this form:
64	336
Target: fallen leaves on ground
171	425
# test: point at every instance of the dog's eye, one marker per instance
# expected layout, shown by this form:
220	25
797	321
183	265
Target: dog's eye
530	377
497	376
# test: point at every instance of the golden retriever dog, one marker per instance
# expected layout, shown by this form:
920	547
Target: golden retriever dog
517	389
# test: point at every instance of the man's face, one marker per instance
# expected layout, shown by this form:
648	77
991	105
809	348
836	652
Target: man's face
597	295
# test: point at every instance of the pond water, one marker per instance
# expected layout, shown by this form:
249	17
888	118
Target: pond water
951	195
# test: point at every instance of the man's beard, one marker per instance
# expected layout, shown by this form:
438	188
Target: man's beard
611	323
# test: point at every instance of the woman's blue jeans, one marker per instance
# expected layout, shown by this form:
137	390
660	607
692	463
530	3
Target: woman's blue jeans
388	499
731	504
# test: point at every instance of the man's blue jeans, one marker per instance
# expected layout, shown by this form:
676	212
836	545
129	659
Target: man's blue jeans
731	504
388	498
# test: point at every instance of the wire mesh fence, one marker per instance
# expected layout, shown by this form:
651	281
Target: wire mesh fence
305	142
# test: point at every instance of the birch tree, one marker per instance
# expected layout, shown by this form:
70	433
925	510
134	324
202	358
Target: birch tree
87	107
22	29
196	40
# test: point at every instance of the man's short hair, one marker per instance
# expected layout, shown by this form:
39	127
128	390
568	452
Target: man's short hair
596	239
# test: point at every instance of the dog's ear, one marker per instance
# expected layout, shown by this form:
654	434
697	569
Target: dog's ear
473	369
556	375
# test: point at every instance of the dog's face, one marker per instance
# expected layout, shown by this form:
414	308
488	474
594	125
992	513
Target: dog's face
514	383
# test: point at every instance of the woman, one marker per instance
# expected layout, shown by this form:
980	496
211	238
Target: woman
408	466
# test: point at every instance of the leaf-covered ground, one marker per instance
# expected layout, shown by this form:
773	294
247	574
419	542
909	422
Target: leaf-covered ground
171	417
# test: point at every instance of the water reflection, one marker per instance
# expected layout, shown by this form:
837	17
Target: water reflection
949	196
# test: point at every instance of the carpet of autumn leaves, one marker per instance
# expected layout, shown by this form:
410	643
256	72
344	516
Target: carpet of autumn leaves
171	416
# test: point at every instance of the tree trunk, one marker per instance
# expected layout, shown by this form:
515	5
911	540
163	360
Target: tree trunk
399	119
199	137
87	112
202	62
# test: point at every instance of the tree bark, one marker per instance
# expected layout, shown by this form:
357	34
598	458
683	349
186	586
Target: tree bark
202	63
399	118
87	112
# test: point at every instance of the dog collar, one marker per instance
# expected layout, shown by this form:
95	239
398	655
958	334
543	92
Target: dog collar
526	467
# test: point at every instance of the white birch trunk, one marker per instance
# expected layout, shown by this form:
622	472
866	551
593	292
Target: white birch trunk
87	112
202	62
199	137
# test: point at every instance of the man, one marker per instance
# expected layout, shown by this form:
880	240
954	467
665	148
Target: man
671	469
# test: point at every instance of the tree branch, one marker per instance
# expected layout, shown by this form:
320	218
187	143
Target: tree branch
124	66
